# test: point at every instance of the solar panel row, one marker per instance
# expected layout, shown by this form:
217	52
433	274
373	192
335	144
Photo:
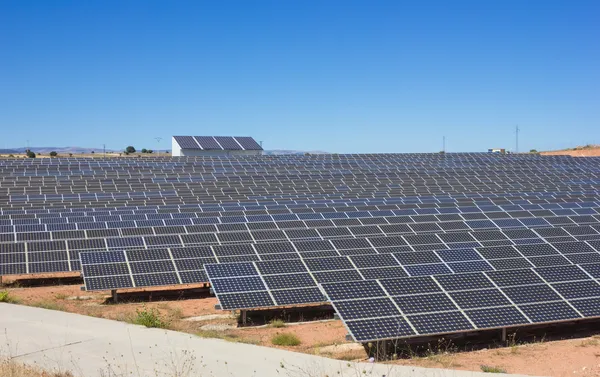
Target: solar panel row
217	142
389	240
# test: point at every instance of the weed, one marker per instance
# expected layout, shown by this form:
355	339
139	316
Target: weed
149	318
61	296
511	341
5	296
277	323
285	339
489	369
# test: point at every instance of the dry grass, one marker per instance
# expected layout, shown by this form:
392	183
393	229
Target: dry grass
50	305
61	296
350	355
591	342
225	335
11	368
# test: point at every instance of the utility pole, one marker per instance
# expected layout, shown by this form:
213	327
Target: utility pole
158	139
517	139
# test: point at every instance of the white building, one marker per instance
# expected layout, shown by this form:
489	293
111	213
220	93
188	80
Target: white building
214	146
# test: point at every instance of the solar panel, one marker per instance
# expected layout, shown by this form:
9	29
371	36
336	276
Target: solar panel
208	143
248	143
228	143
186	142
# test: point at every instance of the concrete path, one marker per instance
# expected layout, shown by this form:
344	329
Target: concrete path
93	347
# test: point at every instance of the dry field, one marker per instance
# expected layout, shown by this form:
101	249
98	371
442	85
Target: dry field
583	151
569	357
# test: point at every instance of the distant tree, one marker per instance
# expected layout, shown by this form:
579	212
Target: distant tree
93	152
533	151
149	151
30	154
144	150
11	155
126	153
70	154
130	149
442	152
53	154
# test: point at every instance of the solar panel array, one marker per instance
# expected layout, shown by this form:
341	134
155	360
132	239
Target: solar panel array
400	244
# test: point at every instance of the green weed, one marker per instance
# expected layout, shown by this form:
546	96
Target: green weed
5	296
489	369
277	323
149	318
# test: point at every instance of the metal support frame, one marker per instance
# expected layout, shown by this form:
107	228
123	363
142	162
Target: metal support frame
243	314
504	334
114	295
381	350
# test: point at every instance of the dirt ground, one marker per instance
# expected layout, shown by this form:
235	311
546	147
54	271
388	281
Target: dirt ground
586	151
570	357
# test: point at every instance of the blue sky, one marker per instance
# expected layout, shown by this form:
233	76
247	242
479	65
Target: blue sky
340	76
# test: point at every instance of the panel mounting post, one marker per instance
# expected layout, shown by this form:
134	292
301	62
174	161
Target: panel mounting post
243	314
114	295
504	334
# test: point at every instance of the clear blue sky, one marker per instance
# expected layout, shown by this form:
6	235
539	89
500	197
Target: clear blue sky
340	76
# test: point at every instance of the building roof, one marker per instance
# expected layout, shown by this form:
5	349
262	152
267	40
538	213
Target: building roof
218	143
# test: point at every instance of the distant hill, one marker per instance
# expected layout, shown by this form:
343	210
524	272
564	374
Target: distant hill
63	150
85	150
